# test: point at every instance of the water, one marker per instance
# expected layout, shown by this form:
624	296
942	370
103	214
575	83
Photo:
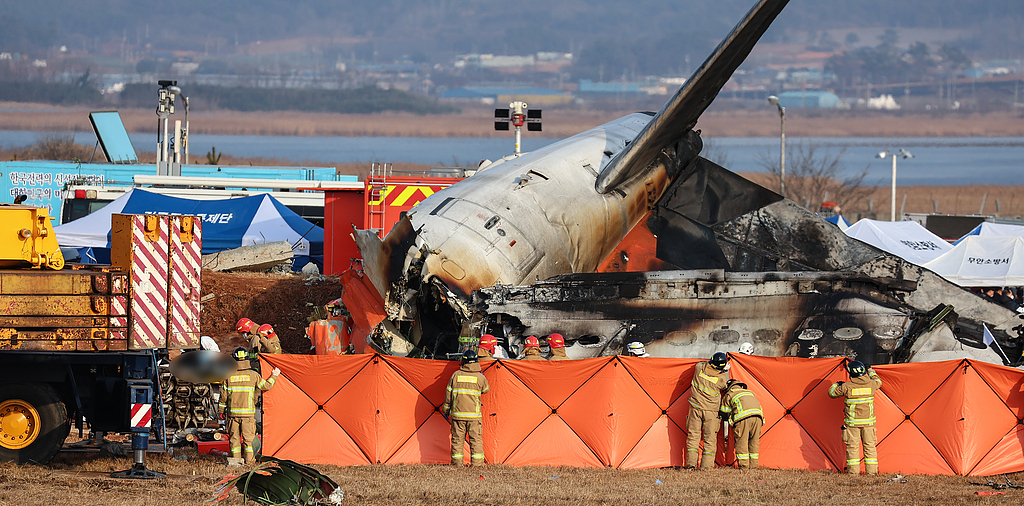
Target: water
936	161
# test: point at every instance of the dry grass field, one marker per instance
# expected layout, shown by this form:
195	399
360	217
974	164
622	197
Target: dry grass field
78	479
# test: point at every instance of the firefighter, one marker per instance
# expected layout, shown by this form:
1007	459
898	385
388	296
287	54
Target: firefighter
467	337
709	380
246	328
859	423
531	349
485	350
557	345
266	340
741	410
462	406
637	349
238	405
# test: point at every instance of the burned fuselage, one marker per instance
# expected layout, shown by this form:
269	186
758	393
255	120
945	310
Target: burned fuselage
565	208
694	314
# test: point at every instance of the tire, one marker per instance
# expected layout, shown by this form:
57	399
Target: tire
33	423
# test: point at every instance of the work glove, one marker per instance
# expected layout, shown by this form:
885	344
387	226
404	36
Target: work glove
840	383
723	415
276	372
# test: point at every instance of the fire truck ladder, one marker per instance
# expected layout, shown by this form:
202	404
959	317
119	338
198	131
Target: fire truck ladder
376	190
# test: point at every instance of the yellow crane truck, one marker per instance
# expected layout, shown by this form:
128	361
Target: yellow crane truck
79	344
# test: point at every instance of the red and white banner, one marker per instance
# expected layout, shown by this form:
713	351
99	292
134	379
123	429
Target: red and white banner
142	415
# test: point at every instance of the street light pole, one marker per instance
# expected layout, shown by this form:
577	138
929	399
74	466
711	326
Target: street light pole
892	201
782	140
886	154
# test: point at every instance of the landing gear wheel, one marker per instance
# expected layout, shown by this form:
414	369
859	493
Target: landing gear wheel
33	423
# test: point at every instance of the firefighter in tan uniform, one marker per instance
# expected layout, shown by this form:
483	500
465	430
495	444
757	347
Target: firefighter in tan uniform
557	345
485	349
531	349
859	422
709	380
238	405
462	406
741	410
266	340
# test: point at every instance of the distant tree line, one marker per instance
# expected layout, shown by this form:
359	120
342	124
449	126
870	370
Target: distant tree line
369	99
886	64
49	93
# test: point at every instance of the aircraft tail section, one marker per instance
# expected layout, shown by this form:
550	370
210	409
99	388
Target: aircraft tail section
681	112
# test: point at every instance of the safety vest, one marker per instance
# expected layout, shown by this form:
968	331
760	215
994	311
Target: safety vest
706	387
740	404
239	393
860	398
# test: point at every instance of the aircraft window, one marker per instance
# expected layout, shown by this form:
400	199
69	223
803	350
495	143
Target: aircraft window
680	337
767	335
489	224
725	336
848	333
810	335
887	332
441	206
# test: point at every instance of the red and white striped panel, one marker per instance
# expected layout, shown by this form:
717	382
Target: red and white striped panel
186	270
142	415
149	285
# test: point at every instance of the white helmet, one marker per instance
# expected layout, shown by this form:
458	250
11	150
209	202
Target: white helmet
636	349
747	349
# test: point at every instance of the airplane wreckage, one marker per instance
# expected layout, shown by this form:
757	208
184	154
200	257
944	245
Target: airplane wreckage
716	260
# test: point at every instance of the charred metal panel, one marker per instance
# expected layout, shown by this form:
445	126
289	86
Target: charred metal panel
784	230
686	314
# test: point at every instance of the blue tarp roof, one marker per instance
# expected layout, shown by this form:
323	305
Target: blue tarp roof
227	224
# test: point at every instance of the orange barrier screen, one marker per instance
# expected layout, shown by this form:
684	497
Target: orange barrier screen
958	417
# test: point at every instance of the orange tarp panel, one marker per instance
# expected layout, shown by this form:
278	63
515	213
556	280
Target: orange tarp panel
956	417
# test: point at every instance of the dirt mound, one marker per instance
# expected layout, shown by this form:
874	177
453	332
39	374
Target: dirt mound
280	300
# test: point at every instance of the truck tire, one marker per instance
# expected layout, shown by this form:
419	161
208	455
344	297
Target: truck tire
33	423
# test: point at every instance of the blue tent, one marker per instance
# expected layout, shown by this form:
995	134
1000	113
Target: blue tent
227	224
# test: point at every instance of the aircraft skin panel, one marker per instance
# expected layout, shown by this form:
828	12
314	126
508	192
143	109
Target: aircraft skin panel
578	230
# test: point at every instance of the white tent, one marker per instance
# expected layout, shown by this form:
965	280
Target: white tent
905	239
981	260
986	228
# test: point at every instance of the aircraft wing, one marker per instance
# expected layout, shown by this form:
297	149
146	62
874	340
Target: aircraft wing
681	112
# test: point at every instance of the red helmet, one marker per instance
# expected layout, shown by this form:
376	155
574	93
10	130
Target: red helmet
488	342
244	325
556	341
532	342
265	329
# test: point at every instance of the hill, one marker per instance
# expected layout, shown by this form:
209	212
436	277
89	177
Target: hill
647	33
